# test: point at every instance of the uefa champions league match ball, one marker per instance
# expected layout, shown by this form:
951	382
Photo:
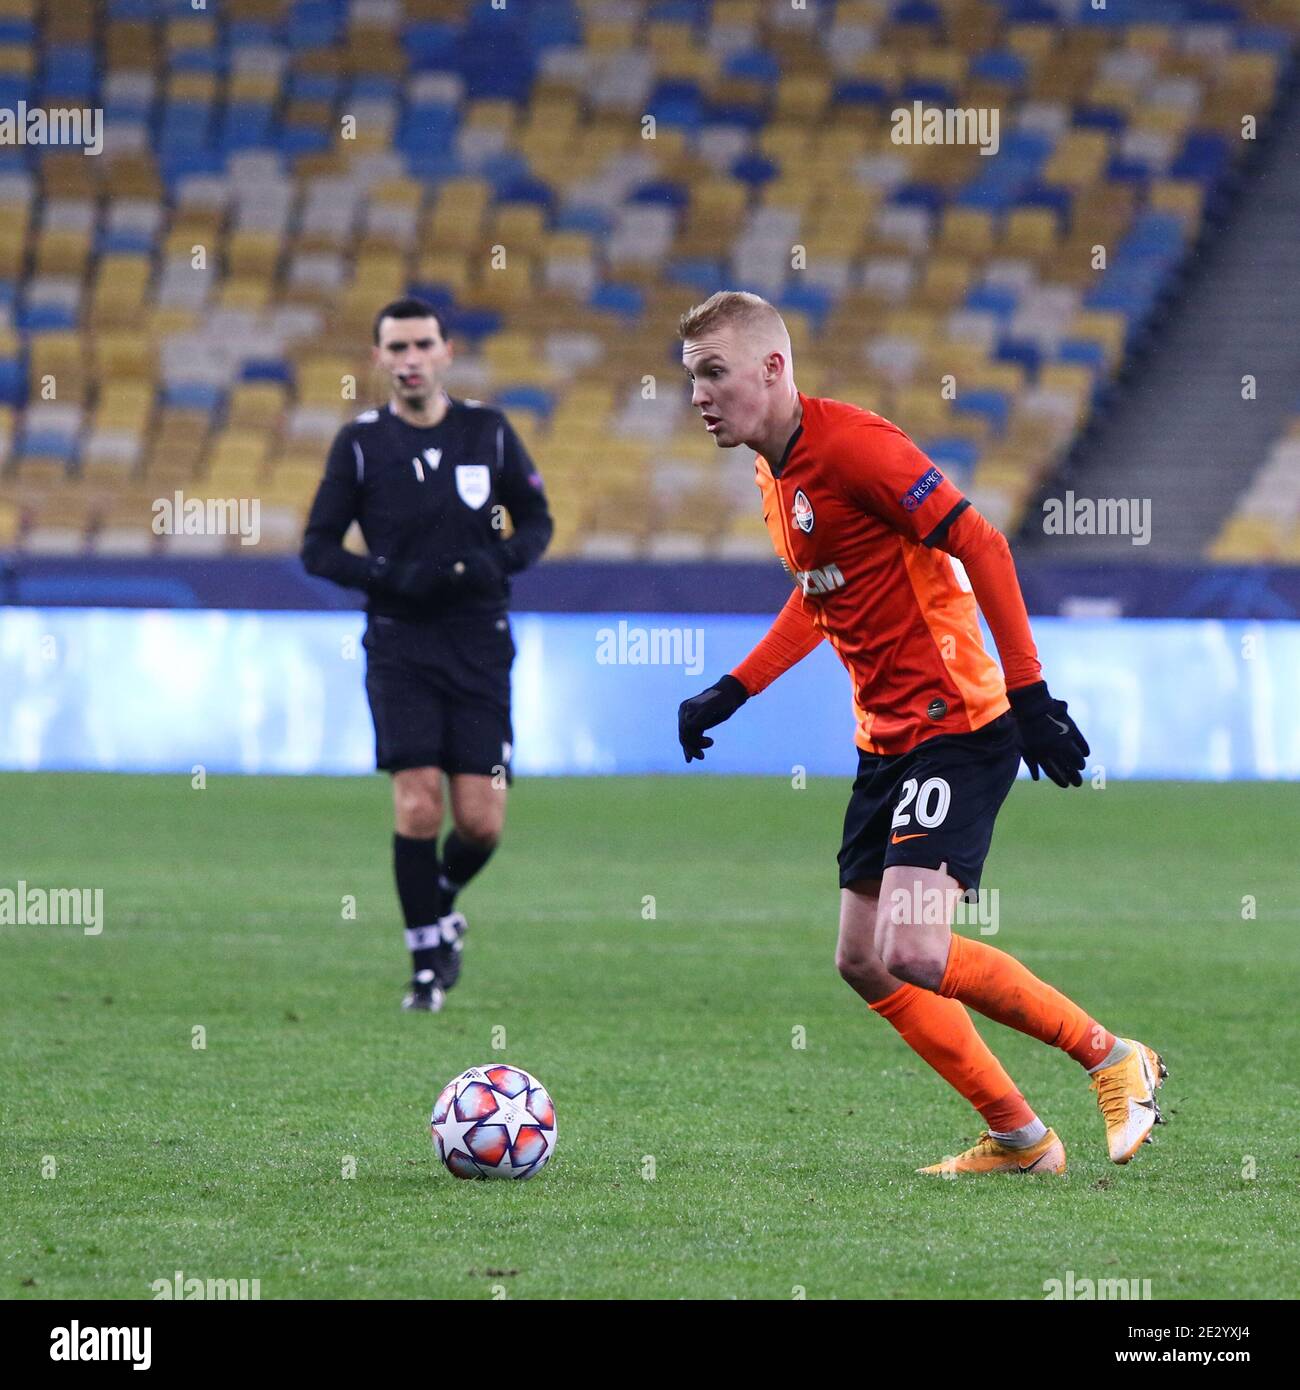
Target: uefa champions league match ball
494	1122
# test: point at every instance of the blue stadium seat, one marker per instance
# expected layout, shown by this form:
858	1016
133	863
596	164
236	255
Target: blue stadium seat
992	299
994	405
38	318
754	169
1083	352
526	398
1023	351
677	104
813	300
999	65
755	63
699	273
13	380
193	395
430	46
662	192
625	300
266	369
47	444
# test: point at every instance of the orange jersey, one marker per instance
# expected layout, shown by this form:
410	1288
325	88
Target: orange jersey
857	514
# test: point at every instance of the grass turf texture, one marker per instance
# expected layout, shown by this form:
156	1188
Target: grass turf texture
774	1167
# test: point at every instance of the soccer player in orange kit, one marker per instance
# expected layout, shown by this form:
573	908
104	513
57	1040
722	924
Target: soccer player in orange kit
866	525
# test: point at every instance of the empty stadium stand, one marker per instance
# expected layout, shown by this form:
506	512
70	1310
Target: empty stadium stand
190	309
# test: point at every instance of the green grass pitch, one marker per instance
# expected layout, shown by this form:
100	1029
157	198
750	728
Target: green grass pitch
667	1044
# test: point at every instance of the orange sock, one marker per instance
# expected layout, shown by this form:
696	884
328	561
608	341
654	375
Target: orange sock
1000	988
941	1033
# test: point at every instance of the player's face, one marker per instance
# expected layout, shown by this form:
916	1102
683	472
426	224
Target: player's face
415	355
728	386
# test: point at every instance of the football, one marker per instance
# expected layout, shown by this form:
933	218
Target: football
494	1122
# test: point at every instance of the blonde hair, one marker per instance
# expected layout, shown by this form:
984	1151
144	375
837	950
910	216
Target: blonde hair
728	307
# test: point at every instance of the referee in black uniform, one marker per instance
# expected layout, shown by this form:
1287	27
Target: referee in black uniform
430	480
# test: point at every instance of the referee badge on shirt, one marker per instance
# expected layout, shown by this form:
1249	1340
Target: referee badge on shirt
474	483
803	512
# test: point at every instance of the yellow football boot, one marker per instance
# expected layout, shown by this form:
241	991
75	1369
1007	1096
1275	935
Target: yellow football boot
988	1156
1126	1096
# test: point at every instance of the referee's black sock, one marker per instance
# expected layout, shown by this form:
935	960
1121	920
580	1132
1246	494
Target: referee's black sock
415	864
461	860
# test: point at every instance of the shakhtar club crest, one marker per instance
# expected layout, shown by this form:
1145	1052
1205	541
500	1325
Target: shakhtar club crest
803	512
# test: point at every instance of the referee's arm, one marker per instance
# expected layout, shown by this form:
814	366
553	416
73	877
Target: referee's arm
520	489
332	512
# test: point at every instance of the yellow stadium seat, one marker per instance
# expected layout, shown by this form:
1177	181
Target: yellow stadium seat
58	353
17	59
1251	72
501	287
13	252
42	474
255	87
1078	159
382	273
1246	539
993	376
188	35
453	229
945	65
954	358
124	405
605	36
62	252
172	319
1032	42
945	282
450	268
518	225
1107	328
253	253
245	292
197	87
1181	196
1155	39
256	405
124	353
802	97
921	409
968	230
68	175
234	445
1065	376
1030	232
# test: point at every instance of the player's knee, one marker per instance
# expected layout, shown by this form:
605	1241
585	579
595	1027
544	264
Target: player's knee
858	968
418	810
482	829
910	958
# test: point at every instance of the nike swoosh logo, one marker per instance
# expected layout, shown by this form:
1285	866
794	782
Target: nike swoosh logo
898	839
1064	728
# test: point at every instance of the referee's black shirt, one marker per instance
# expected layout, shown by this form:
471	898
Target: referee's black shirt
436	493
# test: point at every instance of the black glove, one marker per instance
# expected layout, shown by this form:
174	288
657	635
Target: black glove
1049	738
422	579
481	572
418	580
712	706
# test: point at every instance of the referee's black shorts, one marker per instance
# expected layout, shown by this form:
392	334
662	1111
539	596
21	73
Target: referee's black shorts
933	805
439	693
